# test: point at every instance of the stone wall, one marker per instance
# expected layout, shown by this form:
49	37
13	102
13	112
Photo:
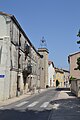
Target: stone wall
75	87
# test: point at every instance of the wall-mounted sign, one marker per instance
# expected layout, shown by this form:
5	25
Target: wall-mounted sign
2	76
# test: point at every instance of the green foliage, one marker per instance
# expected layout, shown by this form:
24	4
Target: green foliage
78	59
78	42
71	78
78	33
78	63
57	83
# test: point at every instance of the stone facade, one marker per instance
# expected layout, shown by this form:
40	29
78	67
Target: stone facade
73	64
75	84
19	60
44	67
59	75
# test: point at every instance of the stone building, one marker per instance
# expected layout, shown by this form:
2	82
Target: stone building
75	74
72	59
51	74
59	76
44	67
66	78
19	60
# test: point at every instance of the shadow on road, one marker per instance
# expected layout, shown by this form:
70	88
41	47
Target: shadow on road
12	114
66	109
67	90
71	94
63	89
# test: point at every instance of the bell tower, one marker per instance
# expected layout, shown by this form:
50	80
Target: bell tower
43	63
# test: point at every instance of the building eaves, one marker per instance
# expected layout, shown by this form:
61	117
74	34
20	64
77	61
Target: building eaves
66	71
72	55
3	13
17	23
50	62
59	70
20	28
43	50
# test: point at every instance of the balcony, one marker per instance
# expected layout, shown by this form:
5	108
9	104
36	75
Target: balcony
27	71
27	49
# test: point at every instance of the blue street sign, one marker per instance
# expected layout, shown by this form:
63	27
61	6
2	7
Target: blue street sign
2	76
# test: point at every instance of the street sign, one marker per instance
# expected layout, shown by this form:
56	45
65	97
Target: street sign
2	76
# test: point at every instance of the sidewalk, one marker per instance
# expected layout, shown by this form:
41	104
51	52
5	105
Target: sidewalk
65	107
15	99
11	100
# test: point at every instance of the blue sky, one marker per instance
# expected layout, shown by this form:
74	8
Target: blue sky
57	20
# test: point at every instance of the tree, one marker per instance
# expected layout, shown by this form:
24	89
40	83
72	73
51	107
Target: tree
78	64
71	78
78	59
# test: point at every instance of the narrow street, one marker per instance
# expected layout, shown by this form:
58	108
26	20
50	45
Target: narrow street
36	107
59	104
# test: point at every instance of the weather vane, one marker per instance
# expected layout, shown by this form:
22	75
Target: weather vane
43	43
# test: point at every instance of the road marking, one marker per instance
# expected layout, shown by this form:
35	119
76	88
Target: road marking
44	105
1	108
55	106
33	104
22	103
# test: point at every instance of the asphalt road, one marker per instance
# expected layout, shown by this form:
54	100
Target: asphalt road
36	107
